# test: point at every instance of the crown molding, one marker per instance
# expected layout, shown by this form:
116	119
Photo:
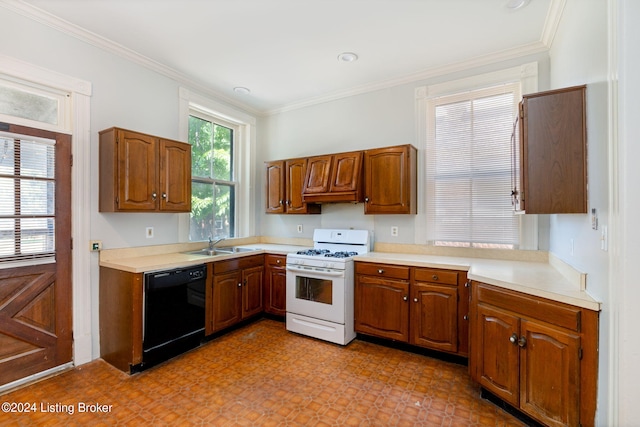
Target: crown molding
552	22
110	46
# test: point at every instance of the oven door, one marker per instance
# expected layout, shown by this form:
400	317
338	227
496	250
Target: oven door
316	292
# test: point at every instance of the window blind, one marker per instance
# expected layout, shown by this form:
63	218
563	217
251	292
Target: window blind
27	198
469	168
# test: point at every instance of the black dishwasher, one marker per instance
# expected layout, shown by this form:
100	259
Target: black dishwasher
174	313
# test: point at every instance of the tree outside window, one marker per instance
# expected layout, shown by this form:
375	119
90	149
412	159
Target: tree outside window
213	183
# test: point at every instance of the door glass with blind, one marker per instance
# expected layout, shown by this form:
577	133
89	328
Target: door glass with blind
27	198
470	169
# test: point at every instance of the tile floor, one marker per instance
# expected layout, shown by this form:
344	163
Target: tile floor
262	375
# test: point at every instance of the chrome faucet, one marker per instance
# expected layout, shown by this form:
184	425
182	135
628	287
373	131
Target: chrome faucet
212	243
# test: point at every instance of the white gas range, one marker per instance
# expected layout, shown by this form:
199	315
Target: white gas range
320	285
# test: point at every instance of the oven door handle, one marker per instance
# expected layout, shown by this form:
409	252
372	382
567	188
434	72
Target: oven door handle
324	273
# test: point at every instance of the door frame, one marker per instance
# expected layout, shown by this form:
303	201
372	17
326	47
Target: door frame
78	125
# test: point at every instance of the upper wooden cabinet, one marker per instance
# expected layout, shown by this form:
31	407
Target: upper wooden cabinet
553	152
390	180
143	173
334	178
283	187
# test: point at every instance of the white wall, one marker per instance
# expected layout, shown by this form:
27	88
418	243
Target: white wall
375	119
625	240
579	55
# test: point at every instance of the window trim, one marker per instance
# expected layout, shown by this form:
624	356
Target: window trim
244	161
527	75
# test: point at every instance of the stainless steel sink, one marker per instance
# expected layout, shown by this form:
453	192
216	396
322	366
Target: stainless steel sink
220	251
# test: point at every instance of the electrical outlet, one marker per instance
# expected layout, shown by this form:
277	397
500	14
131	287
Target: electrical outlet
394	231
95	245
149	233
299	228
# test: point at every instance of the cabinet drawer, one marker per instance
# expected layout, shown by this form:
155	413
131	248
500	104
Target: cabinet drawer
383	270
556	313
276	260
436	276
238	263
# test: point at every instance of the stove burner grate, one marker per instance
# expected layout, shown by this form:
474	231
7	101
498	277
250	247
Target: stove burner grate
341	254
313	252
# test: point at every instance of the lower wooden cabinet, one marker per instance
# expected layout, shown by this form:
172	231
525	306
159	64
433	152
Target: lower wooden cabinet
235	293
420	306
275	285
537	355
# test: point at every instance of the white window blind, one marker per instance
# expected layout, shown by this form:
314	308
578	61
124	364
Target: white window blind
27	198
469	170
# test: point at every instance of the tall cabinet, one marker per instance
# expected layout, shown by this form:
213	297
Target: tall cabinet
553	152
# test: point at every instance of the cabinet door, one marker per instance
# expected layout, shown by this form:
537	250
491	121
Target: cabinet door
554	157
434	316
275	187
252	291
137	183
175	176
345	175
497	356
550	374
390	180
296	169
382	307
276	287
318	175
227	293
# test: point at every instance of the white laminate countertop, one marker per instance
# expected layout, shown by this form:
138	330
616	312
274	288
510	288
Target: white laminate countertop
140	263
533	278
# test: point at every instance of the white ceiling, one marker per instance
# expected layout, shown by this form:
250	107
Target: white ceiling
285	51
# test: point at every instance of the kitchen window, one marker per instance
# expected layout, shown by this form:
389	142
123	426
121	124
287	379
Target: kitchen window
214	185
470	161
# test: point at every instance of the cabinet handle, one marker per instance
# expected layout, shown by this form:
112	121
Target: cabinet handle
435	277
514	338
154	195
415	300
281	202
366	199
164	196
405	298
380	271
277	261
467	284
522	342
239	285
465	317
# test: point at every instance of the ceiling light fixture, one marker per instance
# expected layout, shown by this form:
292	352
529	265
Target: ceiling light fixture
347	57
516	4
241	90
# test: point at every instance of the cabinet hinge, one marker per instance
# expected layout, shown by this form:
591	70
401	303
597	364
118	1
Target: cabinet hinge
580	353
71	244
71	160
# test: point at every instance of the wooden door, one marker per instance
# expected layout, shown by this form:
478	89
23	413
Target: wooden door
498	357
382	307
227	294
318	175
346	173
137	181
550	374
276	286
554	178
434	316
390	180
175	176
275	187
35	300
252	285
296	169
